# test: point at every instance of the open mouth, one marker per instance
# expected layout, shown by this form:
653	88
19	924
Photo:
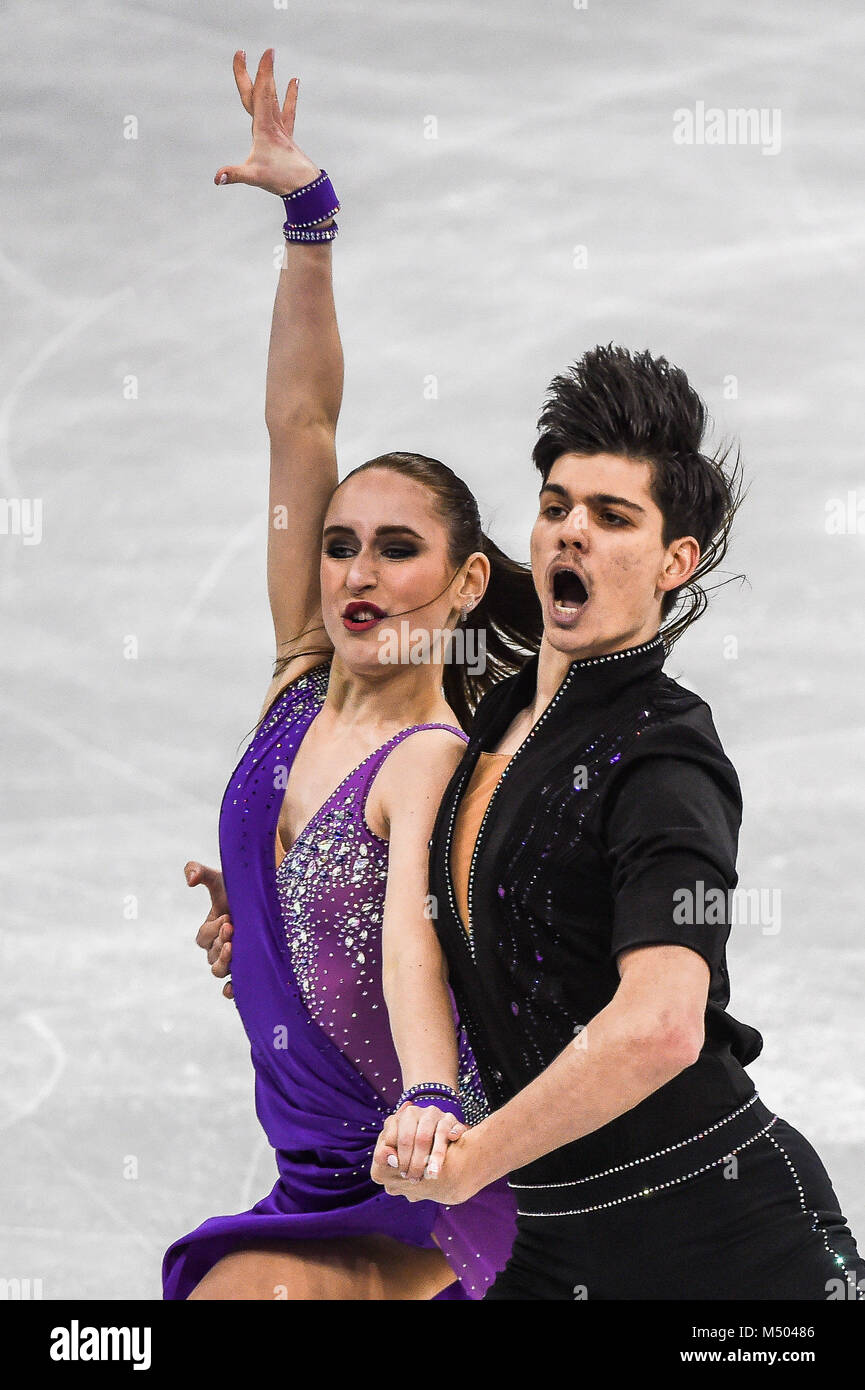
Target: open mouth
358	616
569	591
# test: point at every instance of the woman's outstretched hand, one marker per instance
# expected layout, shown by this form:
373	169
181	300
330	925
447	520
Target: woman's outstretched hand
275	162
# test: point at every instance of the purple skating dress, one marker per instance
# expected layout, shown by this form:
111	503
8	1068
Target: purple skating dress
307	975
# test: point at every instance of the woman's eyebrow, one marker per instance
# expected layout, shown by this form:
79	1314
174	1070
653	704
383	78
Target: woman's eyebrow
379	531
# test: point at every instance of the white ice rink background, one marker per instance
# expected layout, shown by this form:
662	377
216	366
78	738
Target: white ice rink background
513	192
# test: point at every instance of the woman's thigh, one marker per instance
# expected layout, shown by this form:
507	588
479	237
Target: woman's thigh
359	1267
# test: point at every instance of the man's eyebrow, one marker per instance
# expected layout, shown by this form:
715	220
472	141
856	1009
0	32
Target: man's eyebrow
379	531
598	499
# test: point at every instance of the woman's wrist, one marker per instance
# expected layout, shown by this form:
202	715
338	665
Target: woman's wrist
308	174
308	207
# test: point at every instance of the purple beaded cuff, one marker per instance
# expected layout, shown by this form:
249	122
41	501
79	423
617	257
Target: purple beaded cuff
427	1088
315	202
309	233
445	1103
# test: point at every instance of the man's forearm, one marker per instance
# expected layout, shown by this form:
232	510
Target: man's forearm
305	360
611	1066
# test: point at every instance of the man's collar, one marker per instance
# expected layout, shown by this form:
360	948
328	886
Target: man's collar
589	680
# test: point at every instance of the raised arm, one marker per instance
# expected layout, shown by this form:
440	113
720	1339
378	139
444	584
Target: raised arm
304	375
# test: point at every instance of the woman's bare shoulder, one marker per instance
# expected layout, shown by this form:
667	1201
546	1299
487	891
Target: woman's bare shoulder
299	666
423	763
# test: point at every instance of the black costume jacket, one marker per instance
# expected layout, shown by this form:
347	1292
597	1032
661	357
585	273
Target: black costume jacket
614	825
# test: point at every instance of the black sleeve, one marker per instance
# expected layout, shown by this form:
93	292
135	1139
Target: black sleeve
671	832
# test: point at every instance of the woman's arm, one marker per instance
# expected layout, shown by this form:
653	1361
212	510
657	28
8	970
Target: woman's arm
304	377
651	1030
413	965
304	390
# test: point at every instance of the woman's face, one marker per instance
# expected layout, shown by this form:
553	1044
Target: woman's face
385	570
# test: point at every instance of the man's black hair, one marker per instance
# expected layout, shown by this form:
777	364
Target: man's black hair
613	401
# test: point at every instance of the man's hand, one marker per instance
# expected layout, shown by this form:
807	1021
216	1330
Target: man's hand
454	1184
215	932
451	1151
413	1142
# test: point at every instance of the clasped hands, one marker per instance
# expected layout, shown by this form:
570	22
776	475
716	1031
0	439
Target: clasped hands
424	1155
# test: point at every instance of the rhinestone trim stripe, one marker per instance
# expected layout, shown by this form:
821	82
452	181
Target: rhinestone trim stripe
837	1259
659	1187
645	1158
468	936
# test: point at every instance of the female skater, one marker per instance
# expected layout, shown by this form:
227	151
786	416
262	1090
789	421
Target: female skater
325	822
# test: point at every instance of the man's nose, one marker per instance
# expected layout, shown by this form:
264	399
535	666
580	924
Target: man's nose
575	528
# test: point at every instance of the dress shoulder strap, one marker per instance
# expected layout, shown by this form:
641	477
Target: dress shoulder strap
375	763
413	729
298	701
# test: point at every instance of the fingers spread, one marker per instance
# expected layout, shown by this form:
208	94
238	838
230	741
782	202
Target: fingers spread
289	106
230	174
243	80
265	105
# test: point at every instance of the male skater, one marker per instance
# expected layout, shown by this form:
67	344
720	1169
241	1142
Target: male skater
583	864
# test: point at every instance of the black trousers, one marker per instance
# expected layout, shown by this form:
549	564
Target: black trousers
771	1230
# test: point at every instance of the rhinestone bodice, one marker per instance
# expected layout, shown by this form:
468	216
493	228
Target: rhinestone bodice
331	889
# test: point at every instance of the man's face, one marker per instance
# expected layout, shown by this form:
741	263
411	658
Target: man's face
598	562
